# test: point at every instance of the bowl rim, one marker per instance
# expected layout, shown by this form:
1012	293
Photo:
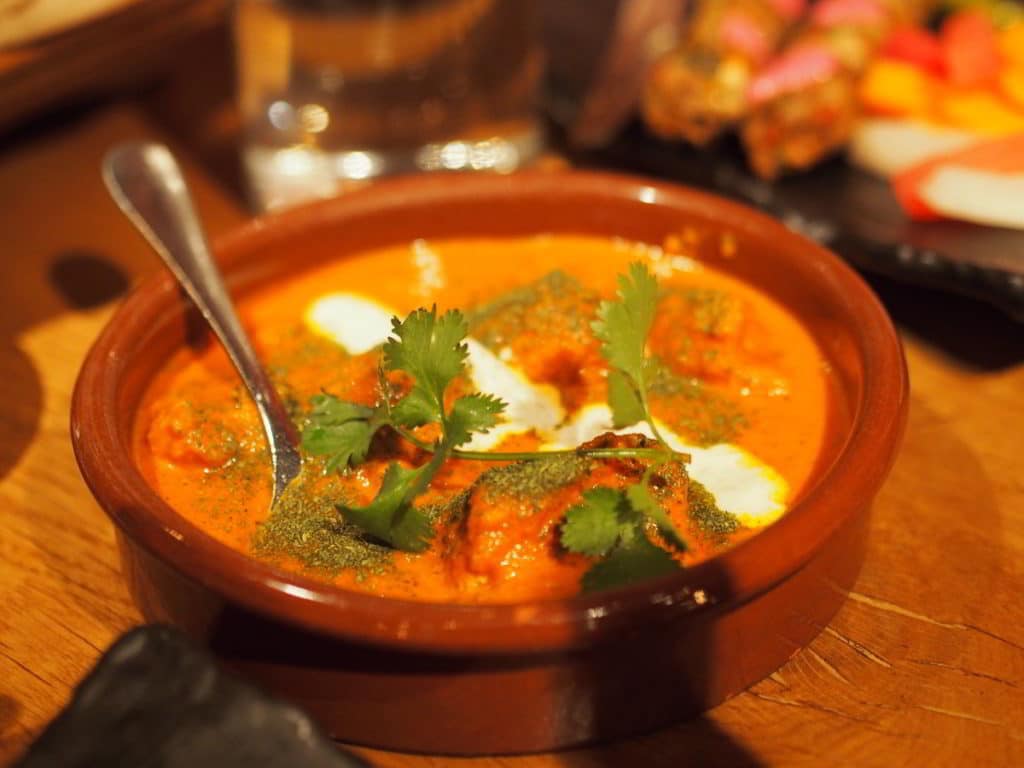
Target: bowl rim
727	580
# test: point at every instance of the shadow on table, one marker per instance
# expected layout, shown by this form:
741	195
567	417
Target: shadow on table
37	284
33	289
10	709
22	402
666	677
699	742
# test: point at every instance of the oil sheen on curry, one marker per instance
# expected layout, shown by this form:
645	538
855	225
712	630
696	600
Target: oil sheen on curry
498	420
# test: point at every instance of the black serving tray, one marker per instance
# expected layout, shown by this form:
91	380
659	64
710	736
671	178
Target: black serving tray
846	209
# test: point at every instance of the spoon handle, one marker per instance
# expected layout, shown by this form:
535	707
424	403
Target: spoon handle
147	185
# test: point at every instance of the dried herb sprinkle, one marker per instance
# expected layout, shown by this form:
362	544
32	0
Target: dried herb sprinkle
305	525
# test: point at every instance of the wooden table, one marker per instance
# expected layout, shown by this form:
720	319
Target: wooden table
924	664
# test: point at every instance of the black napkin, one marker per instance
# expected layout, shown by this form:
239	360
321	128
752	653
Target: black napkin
846	209
157	699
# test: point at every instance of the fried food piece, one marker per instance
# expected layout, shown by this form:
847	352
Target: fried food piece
545	328
803	103
700	89
797	128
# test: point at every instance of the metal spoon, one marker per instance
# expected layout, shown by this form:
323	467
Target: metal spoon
148	187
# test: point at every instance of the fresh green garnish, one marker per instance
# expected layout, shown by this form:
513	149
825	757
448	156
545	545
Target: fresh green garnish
391	516
431	351
643	501
343	431
637	560
593	526
622	327
610	523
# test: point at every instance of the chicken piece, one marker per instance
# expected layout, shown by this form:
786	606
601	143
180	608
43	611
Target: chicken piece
207	428
712	351
544	327
695	94
507	524
697	331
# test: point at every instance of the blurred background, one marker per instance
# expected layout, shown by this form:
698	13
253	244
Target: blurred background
289	99
877	127
295	99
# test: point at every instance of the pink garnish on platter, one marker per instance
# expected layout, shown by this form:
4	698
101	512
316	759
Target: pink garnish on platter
793	70
788	9
740	33
836	13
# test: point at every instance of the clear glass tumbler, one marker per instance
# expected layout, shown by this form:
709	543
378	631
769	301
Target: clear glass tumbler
337	92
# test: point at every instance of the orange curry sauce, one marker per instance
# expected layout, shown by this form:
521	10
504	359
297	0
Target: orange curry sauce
763	385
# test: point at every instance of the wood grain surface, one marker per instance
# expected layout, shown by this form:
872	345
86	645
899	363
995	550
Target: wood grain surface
924	664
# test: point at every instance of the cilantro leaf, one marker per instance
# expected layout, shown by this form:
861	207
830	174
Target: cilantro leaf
643	501
609	523
391	517
412	531
626	405
328	409
472	413
339	429
346	443
622	327
415	409
592	527
627	564
430	349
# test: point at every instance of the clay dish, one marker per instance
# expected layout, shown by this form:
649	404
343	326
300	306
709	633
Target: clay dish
525	677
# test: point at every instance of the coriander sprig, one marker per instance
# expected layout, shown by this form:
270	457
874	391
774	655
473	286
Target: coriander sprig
341	430
431	350
622	327
609	523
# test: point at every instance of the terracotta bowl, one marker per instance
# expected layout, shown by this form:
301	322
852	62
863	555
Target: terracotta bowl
532	676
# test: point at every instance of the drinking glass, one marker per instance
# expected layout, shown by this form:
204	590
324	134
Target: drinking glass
337	92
